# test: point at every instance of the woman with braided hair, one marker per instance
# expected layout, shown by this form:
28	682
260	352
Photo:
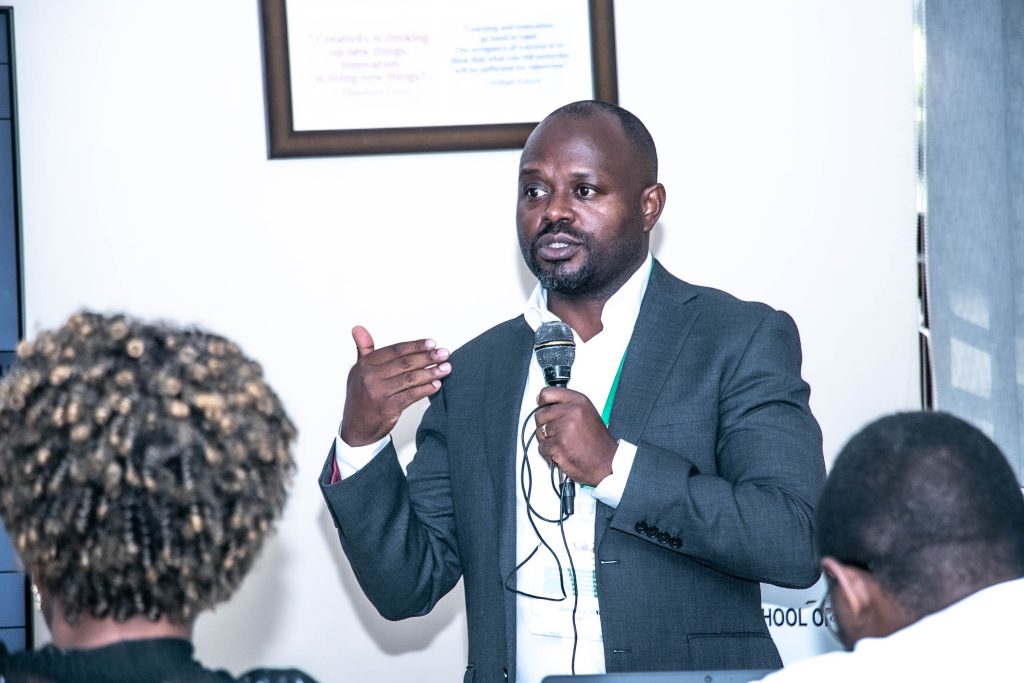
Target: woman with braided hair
141	468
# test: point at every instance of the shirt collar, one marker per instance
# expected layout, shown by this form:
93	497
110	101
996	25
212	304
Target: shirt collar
619	311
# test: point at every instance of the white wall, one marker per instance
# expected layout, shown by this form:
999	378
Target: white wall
786	137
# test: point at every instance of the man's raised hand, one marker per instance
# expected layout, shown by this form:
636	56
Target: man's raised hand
386	381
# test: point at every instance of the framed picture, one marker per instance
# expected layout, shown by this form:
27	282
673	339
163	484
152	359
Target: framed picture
395	76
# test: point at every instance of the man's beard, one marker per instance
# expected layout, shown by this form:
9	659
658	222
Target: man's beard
592	275
558	280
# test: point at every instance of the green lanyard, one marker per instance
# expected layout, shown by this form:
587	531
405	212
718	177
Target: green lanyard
606	414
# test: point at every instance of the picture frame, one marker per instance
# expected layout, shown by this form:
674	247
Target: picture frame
345	75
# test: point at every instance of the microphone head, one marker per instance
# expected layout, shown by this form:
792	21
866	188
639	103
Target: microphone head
555	348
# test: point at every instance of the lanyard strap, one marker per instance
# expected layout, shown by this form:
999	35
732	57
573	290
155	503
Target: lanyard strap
606	414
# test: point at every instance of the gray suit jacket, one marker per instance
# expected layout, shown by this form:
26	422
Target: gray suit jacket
721	496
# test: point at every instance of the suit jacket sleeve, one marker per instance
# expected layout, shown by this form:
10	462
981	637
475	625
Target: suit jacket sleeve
734	486
401	543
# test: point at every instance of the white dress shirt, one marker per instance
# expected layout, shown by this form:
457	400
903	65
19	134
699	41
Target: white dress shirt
978	638
544	630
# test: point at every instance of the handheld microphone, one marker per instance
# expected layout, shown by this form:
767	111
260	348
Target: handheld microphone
555	349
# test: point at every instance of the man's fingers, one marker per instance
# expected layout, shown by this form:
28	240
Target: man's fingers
403	356
407	348
407	355
379	385
413	361
385	381
551	395
547	425
543	416
414	378
404	399
363	340
401	372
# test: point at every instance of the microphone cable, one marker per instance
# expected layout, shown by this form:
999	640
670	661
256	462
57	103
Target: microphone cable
526	474
565	511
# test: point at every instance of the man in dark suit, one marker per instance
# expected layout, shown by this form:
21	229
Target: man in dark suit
698	479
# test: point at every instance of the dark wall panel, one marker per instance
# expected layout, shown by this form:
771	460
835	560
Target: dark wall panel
14	617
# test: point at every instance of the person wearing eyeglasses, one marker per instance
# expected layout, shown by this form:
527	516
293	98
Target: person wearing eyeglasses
920	529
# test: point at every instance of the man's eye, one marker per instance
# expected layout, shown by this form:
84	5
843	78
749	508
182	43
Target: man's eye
533	192
586	191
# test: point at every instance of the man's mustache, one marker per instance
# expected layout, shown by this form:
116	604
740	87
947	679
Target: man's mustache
561	226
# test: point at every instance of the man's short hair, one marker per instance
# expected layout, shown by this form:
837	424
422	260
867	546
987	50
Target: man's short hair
636	132
142	466
928	504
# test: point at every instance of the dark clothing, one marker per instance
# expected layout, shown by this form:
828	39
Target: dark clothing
157	660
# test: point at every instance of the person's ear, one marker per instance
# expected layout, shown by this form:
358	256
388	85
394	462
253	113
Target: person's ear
849	583
652	202
854	596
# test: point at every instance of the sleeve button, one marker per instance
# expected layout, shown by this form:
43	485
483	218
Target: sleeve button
641	527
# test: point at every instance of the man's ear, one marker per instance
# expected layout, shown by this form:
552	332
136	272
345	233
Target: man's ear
851	584
855	599
653	203
862	607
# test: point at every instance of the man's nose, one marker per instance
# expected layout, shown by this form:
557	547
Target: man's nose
560	207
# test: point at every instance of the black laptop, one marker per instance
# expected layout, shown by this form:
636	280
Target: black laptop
734	676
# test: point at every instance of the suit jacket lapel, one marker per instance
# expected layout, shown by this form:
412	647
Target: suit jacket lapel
658	336
501	433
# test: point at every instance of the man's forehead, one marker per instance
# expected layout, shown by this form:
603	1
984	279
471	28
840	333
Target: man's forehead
563	127
598	133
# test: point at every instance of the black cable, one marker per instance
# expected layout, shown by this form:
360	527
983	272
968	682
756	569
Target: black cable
526	485
575	591
525	443
525	471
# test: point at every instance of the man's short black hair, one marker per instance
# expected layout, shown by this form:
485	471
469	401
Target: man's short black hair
636	132
928	504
